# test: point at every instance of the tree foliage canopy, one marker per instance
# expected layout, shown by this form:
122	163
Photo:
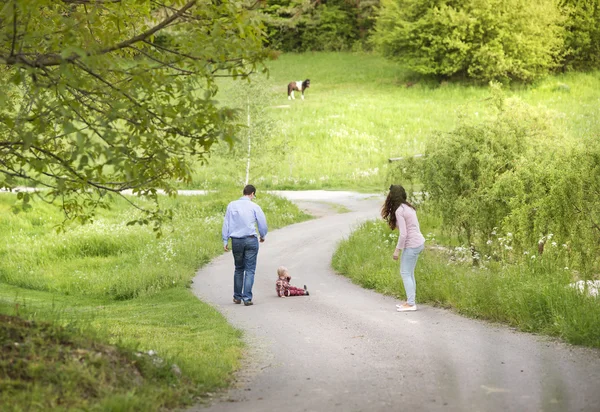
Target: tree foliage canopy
583	34
101	96
302	25
481	39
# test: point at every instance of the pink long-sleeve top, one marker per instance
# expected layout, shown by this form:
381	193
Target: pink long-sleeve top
408	225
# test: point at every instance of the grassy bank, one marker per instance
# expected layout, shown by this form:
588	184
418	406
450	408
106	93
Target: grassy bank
532	296
121	285
47	366
361	110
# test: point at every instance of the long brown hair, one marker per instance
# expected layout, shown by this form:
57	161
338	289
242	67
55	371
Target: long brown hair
395	198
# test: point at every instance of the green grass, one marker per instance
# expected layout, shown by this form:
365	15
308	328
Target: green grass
45	366
358	112
110	258
533	297
121	285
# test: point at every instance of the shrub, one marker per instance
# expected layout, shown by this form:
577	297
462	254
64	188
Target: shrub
515	175
483	40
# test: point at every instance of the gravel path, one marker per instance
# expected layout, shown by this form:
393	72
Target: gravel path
344	348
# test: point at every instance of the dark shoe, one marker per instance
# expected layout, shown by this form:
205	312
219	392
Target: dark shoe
248	303
305	291
237	301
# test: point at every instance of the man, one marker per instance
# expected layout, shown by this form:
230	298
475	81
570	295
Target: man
239	225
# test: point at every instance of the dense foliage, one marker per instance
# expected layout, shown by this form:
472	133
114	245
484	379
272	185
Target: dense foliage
517	178
484	40
301	25
583	34
104	96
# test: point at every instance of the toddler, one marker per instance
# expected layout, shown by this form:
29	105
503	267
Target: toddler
283	287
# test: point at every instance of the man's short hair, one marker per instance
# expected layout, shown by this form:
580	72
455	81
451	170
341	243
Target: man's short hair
249	189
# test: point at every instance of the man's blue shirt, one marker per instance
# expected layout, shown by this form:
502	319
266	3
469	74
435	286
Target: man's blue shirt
240	218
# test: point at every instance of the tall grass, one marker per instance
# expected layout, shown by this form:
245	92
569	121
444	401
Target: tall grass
128	287
533	297
361	110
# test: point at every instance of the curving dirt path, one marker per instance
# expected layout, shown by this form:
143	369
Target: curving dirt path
344	348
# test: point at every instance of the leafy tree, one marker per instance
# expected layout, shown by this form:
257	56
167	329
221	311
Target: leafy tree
300	25
365	15
101	96
331	29
285	20
481	39
583	34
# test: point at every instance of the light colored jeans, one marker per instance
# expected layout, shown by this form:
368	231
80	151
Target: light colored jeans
408	261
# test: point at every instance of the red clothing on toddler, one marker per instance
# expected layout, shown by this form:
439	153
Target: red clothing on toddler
283	288
294	291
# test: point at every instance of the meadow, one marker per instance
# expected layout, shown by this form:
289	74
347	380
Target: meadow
361	110
117	284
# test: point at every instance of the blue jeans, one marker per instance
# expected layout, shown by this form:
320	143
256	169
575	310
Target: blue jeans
245	252
408	263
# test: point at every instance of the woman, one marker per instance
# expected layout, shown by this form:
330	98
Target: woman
402	215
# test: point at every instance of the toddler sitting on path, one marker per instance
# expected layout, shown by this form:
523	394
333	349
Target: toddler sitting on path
283	287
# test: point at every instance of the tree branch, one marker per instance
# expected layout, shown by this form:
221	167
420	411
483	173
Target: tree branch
151	31
163	64
133	100
53	59
90	1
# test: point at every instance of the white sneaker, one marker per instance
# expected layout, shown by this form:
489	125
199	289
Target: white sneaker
406	308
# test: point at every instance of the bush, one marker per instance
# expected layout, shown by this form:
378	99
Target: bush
517	178
491	40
